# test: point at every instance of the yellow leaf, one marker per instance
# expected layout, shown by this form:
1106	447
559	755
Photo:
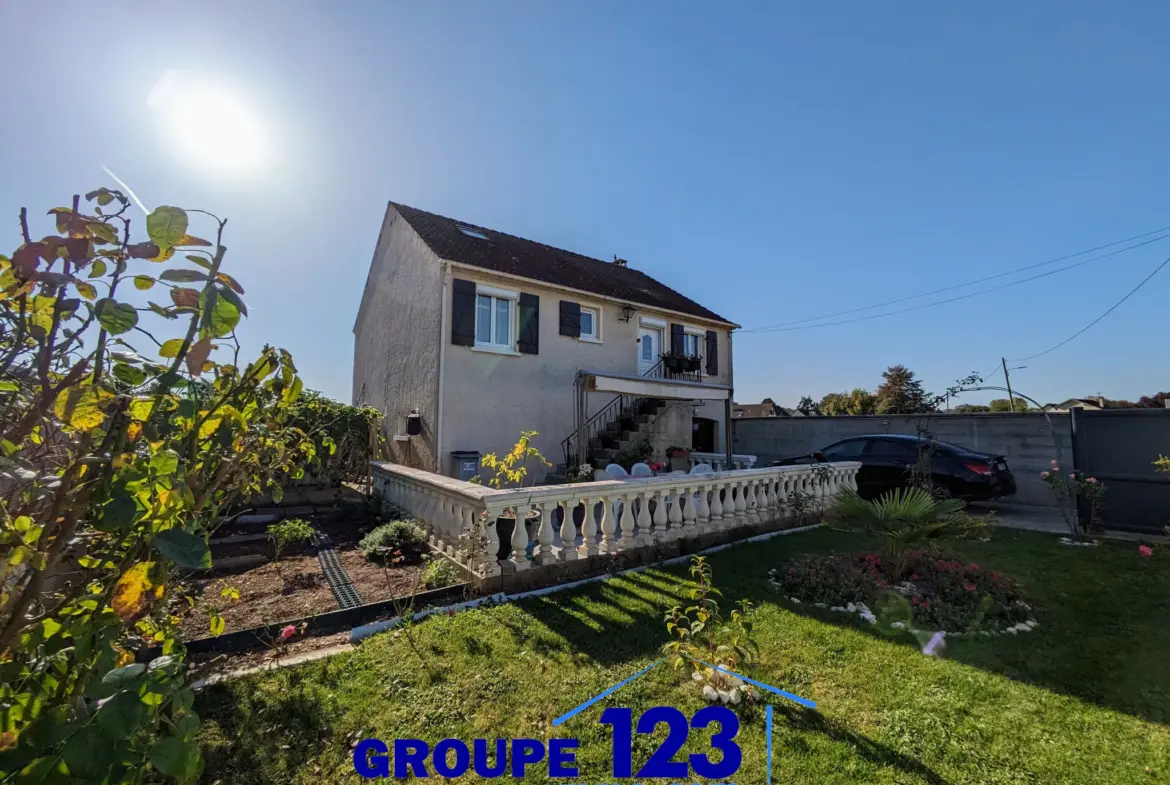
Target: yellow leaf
209	426
131	592
190	240
134	431
82	408
163	256
86	290
171	348
140	409
124	658
143	282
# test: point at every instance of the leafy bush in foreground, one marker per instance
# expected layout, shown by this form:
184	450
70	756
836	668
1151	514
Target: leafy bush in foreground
439	573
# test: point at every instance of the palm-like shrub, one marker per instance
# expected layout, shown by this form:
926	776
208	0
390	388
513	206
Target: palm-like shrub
904	518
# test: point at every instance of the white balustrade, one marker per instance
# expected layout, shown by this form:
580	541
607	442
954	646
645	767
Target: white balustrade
615	516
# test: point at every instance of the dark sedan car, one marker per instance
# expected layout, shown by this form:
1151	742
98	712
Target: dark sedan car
886	460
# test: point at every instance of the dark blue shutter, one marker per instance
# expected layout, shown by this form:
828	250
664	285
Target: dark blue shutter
712	353
528	339
676	340
462	312
570	319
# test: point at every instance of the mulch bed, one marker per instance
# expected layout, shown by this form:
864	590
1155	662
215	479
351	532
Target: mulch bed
266	596
373	582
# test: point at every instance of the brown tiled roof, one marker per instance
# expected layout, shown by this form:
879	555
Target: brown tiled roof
505	253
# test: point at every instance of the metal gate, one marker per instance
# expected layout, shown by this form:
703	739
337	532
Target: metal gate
1119	447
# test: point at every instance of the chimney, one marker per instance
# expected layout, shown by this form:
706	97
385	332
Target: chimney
620	262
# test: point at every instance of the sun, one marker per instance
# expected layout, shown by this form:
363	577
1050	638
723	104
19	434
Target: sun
210	126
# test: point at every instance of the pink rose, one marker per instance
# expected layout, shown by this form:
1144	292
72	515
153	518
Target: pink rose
1145	550
1043	475
1091	479
288	632
1055	465
1072	475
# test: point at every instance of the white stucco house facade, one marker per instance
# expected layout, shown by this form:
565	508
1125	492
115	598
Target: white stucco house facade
466	336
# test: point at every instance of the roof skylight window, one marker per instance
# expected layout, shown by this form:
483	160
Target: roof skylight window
467	230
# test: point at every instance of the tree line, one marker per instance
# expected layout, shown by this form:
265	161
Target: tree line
902	393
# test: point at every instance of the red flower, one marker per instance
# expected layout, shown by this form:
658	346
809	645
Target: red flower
972	566
913	600
1145	550
926	603
914	577
969	587
451	612
288	632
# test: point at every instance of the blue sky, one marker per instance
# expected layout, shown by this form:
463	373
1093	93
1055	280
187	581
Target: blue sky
773	161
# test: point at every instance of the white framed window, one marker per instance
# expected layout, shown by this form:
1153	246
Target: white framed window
693	344
495	318
590	324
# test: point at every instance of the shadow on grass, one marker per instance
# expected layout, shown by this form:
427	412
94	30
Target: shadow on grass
814	722
262	739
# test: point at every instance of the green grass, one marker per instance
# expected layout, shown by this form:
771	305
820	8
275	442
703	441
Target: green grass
1085	698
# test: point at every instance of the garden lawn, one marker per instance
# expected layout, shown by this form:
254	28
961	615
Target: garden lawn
1085	698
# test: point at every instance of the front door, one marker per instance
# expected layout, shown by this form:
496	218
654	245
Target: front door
649	348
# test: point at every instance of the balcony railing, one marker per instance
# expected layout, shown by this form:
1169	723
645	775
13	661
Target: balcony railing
718	460
587	519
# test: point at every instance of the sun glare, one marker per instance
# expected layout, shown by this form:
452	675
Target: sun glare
210	126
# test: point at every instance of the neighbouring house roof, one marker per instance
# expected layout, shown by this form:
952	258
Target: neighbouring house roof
753	410
1076	403
505	253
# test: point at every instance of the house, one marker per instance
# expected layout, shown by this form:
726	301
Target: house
1092	403
466	336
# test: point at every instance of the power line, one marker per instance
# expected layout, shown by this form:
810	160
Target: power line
960	297
1112	308
959	285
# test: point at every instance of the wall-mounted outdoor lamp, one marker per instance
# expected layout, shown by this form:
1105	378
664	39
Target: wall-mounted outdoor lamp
627	312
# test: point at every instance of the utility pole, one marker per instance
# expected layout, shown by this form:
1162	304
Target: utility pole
1011	398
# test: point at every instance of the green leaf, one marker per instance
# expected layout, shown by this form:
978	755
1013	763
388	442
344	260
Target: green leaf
183	548
82	407
48	770
115	317
120	716
128	374
233	298
8	386
119	677
176	758
199	260
97	269
165	462
179	275
166	226
118	514
102	231
143	282
220	316
217	624
86	290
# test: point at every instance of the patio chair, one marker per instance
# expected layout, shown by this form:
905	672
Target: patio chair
616	472
640	470
701	468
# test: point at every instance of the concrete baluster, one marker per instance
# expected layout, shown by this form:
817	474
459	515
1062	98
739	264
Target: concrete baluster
645	535
544	553
569	532
661	529
520	539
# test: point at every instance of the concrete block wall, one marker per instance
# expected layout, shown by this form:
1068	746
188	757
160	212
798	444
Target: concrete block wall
1025	439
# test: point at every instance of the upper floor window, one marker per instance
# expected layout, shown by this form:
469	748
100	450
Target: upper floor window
493	321
692	345
590	324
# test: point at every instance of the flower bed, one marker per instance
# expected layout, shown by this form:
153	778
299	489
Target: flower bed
942	593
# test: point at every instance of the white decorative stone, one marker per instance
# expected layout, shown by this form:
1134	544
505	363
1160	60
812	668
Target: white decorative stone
724	696
696	676
837	608
851	608
821	604
794	601
710	694
898	625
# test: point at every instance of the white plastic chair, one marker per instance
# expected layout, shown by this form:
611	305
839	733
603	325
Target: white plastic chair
616	472
701	468
640	470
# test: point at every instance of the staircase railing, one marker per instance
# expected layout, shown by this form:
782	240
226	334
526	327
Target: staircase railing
622	406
